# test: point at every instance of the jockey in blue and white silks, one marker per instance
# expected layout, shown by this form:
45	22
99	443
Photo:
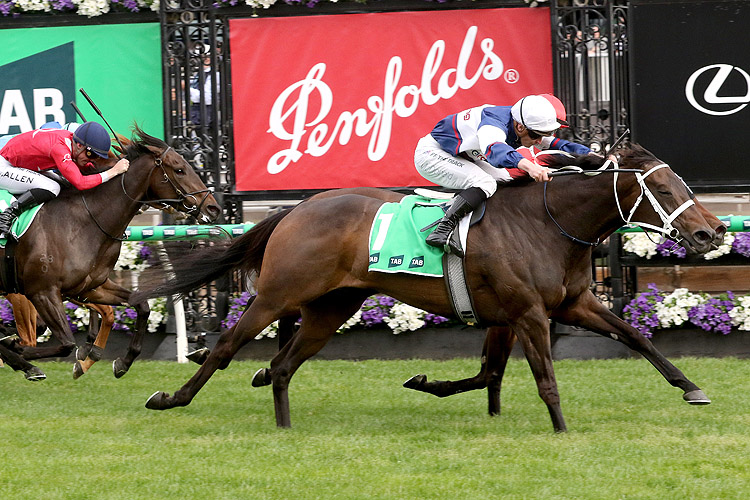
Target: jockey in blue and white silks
475	149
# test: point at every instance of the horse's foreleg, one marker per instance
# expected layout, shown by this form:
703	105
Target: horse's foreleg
251	323
113	294
498	344
95	344
533	333
50	307
589	313
16	361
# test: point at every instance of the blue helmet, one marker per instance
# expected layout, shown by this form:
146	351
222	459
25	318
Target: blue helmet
95	137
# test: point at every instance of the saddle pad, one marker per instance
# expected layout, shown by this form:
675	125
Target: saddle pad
24	220
396	243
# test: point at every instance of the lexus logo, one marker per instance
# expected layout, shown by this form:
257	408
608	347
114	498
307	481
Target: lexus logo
711	93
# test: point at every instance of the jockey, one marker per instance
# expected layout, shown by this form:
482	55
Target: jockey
475	149
28	153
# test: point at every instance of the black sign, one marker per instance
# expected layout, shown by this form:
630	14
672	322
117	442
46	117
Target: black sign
690	75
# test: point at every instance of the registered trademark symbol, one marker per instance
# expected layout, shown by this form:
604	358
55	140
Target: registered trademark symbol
511	76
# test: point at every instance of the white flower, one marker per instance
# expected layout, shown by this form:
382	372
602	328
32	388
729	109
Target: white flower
354	320
129	259
270	331
740	314
673	310
723	249
158	313
640	244
34	5
405	317
92	8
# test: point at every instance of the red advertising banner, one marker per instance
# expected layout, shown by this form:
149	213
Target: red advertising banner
334	101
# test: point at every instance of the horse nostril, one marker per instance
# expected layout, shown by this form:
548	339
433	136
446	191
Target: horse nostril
703	237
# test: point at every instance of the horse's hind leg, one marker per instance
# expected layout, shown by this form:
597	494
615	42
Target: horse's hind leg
24	314
320	319
50	307
498	344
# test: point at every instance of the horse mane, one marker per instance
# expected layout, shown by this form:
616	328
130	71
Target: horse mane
137	146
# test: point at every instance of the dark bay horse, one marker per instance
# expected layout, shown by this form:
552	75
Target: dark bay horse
74	242
521	270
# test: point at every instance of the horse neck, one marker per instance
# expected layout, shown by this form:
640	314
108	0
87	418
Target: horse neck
115	203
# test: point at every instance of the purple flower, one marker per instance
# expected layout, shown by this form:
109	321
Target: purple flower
668	248
741	244
713	315
640	313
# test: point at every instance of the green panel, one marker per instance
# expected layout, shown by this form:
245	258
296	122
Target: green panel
119	66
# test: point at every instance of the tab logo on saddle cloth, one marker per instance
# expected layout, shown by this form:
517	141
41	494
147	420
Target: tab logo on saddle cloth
396	243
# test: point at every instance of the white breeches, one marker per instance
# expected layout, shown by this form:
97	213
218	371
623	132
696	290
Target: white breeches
19	180
455	172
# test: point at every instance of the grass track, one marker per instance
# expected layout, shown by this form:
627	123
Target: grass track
358	435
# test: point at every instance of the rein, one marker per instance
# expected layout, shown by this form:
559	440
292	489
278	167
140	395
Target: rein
572	172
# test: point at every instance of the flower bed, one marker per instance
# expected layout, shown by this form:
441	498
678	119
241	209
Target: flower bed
378	311
656	309
645	246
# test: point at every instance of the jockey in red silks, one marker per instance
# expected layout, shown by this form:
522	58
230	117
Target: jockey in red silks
29	153
475	149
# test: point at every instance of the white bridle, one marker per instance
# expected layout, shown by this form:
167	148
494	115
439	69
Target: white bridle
667	228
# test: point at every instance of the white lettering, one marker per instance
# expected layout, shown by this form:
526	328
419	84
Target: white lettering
13	112
48	102
289	121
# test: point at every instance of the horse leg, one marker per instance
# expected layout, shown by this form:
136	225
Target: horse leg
94	344
16	361
495	353
589	313
113	294
259	315
320	320
50	307
532	330
24	314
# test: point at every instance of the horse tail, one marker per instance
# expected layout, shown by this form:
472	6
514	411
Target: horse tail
199	268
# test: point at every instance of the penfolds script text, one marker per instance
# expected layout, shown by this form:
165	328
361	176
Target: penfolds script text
300	114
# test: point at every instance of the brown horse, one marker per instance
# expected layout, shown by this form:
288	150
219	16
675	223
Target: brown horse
321	246
75	239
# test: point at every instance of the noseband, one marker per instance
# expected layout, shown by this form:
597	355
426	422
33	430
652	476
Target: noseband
667	229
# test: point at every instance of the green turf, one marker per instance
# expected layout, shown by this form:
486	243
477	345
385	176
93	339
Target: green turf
357	434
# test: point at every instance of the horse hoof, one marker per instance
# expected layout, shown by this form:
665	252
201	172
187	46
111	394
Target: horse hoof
34	374
157	401
119	368
696	397
77	370
199	355
416	381
261	378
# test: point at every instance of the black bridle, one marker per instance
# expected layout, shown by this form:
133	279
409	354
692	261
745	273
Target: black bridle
165	202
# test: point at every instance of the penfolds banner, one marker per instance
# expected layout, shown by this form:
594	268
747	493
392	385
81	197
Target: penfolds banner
335	101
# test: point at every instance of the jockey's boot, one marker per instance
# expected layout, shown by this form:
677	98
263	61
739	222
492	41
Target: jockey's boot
464	202
10	214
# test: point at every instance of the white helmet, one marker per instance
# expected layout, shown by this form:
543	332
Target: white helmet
535	113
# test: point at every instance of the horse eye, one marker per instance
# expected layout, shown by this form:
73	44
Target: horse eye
179	171
665	193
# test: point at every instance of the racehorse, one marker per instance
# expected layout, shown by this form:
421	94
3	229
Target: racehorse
74	242
528	261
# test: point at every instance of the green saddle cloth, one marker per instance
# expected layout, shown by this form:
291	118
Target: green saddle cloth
396	243
23	221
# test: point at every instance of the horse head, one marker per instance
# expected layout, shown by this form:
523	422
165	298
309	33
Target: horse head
173	182
661	201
